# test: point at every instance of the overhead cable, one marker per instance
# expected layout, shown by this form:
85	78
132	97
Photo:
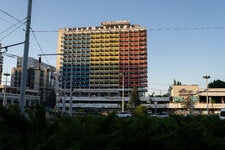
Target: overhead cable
12	32
10	15
159	29
186	28
35	37
45	31
13	25
6	21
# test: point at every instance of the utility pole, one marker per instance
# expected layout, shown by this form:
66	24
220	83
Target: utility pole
207	97
25	57
71	80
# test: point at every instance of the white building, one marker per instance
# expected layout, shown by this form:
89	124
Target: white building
11	95
198	96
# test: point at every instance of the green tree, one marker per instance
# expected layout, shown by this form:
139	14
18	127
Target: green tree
140	110
217	84
176	82
188	103
135	98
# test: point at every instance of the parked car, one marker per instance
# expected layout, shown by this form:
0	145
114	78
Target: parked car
123	114
222	113
161	115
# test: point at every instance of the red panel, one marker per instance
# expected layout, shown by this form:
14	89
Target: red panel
133	58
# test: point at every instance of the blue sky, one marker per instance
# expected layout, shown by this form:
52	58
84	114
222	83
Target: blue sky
182	43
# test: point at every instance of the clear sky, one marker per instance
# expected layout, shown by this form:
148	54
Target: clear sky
186	38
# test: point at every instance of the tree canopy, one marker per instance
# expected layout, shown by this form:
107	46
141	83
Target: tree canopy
217	84
108	132
140	110
176	82
135	98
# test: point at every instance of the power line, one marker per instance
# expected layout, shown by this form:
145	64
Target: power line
12	31
6	21
45	31
10	15
151	29
13	25
186	28
159	84
160	29
153	89
11	55
19	21
35	37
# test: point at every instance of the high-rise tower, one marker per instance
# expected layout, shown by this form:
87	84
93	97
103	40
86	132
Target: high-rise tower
100	57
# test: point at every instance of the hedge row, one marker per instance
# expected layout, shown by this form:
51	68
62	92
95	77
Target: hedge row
33	131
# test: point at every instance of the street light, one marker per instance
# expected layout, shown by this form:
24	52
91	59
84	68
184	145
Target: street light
207	98
4	99
122	92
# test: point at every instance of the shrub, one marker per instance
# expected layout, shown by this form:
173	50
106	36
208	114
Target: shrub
140	110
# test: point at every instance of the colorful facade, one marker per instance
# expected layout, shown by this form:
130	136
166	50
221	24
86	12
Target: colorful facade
101	57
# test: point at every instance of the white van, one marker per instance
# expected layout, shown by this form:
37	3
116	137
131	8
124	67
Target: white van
222	113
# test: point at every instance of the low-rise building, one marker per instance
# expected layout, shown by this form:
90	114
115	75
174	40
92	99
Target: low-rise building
11	95
182	92
198	99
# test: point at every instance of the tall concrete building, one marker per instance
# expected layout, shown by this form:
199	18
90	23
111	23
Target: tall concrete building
105	61
38	77
32	62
